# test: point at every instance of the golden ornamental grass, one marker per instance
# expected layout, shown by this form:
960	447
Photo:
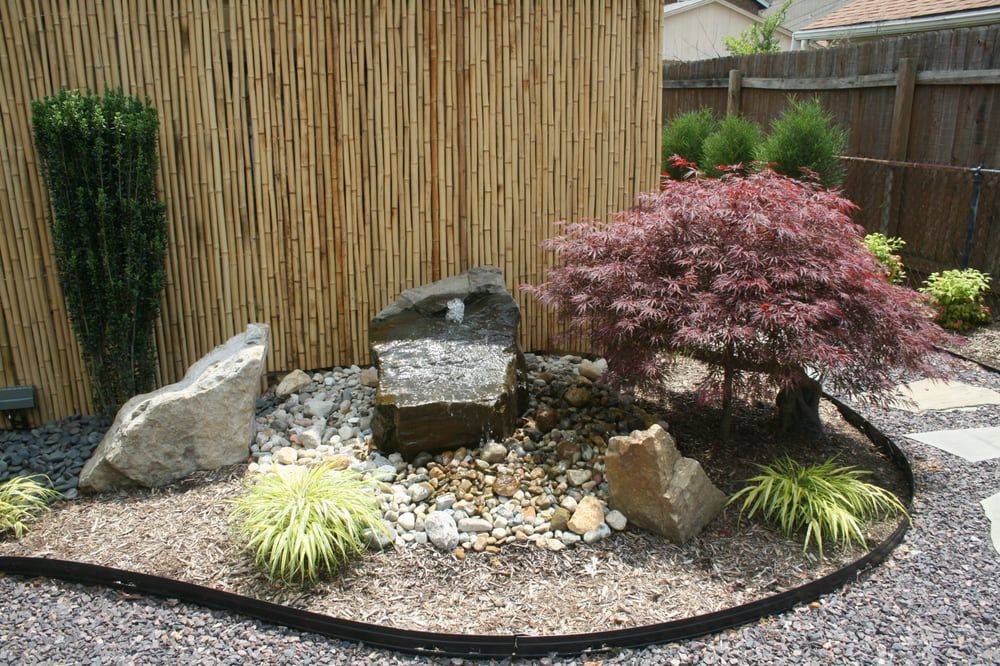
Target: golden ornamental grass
826	502
303	522
22	500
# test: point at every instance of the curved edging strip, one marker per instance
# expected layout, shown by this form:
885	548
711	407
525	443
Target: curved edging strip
483	646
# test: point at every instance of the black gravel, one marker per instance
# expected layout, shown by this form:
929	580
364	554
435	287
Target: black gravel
936	600
57	450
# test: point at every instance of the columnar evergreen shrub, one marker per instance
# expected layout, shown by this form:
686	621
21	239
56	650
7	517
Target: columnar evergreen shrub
763	277
99	158
958	297
805	141
684	136
734	143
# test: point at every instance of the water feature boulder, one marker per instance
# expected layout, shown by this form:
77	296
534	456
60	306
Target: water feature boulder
450	370
202	422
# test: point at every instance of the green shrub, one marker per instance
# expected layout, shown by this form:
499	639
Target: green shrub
761	37
302	522
805	139
825	502
735	142
685	136
958	297
886	250
23	499
98	156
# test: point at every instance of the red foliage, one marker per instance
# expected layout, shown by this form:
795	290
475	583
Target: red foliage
758	273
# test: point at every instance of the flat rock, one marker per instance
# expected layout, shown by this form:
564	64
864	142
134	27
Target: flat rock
202	422
656	488
450	370
991	505
933	394
972	444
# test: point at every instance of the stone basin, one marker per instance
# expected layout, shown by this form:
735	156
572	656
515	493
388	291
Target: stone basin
450	370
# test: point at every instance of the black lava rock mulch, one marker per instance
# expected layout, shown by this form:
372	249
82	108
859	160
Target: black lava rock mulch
57	450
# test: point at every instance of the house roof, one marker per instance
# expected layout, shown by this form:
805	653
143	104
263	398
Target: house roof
872	11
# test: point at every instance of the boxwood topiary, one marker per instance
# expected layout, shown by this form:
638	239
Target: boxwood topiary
98	156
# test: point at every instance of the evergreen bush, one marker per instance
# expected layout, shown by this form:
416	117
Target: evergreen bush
734	143
685	136
805	141
98	156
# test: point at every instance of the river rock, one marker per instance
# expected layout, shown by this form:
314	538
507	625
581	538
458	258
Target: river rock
450	370
593	370
658	489
589	515
293	382
202	422
441	530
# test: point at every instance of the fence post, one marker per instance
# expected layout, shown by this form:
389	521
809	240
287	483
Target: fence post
902	109
734	92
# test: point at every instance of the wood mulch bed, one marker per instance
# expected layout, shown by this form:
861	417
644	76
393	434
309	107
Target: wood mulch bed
632	578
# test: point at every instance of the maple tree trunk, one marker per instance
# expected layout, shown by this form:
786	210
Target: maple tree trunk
798	407
727	405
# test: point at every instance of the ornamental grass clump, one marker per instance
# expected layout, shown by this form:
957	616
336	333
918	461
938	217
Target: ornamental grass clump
805	141
958	296
760	276
304	522
825	503
733	145
886	250
684	136
22	500
98	156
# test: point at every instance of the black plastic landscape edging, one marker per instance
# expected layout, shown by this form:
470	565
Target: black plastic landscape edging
485	646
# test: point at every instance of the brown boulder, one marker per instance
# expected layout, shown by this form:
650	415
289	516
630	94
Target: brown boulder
656	488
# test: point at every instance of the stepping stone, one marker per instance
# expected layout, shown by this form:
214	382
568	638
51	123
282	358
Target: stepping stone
991	505
973	444
930	394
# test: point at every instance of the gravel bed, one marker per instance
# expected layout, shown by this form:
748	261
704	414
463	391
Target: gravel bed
57	450
933	601
983	344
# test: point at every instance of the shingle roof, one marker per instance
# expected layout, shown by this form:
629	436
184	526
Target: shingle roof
870	11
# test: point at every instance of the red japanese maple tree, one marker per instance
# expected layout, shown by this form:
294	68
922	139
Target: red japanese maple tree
763	277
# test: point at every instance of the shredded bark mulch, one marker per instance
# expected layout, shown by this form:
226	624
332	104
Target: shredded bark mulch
632	578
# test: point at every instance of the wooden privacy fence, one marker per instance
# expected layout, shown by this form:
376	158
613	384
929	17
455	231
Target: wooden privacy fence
922	114
317	158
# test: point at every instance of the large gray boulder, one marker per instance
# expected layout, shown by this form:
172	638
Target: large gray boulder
656	488
202	422
450	370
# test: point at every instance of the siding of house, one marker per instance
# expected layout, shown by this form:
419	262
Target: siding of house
700	33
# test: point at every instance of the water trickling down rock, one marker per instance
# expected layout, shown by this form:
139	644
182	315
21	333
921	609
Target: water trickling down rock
450	370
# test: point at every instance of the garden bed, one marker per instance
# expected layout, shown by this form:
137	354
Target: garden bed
629	578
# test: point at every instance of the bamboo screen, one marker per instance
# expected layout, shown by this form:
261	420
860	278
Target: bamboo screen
319	157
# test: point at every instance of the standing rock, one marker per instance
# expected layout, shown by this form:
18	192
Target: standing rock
441	530
293	382
588	516
656	488
450	370
202	422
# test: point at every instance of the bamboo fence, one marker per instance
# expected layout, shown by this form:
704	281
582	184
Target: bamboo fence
317	158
